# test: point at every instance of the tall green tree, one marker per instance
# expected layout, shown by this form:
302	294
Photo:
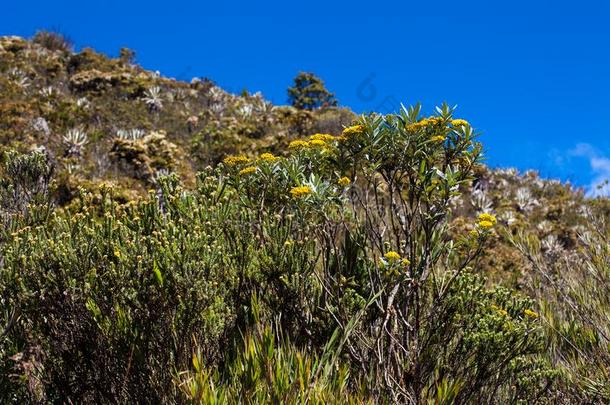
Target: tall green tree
309	92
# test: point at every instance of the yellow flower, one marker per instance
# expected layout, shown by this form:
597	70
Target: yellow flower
268	157
530	313
322	137
353	130
418	125
488	217
391	256
499	310
438	138
486	224
235	160
405	262
459	122
247	170
473	233
298	144
317	143
424	122
301	191
344	181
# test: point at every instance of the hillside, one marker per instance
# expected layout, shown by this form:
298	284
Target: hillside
285	231
127	123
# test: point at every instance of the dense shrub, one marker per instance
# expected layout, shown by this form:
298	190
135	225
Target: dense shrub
53	41
331	275
112	297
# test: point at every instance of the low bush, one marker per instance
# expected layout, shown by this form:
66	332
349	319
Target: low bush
53	41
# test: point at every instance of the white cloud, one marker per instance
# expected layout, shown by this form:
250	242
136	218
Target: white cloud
600	169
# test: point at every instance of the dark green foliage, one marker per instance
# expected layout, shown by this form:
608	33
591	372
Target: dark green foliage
309	92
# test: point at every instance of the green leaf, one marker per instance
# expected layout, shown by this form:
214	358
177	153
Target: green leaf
158	274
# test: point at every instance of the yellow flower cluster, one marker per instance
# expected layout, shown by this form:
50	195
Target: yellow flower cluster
268	157
317	143
298	144
247	170
488	217
485	224
235	160
344	181
459	122
322	137
530	313
487	221
353	130
438	138
391	256
301	191
424	122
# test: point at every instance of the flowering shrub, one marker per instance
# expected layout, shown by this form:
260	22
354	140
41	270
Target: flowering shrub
331	271
383	256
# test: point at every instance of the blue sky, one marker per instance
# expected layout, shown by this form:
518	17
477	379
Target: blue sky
532	76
